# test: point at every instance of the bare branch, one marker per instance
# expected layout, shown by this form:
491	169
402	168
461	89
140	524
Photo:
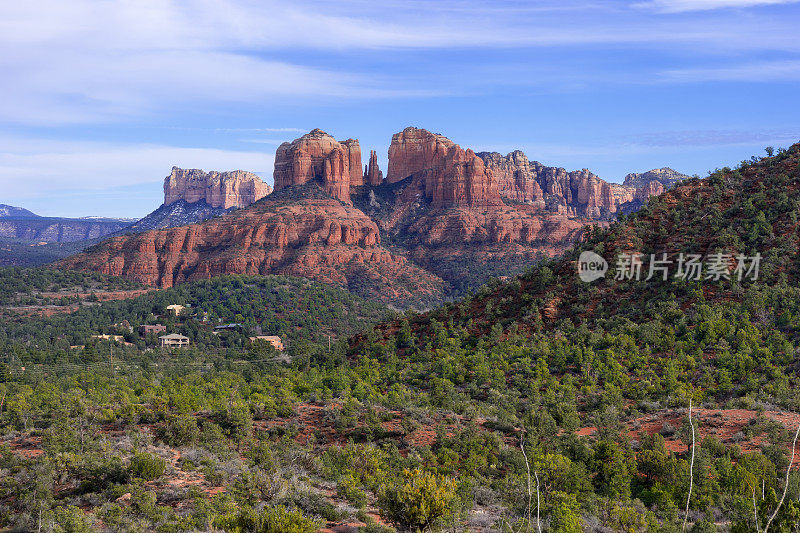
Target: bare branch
691	470
538	523
755	510
786	483
528	467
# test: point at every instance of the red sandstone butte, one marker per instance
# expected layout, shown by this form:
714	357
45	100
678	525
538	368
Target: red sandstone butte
317	156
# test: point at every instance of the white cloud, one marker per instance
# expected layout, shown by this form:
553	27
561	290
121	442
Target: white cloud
31	168
85	61
72	86
263	130
727	137
256	140
682	6
761	72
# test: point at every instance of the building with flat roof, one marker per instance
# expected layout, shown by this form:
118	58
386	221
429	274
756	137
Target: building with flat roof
118	338
146	329
274	340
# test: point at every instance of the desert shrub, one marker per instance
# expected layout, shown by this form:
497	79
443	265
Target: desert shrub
98	472
257	485
704	526
147	467
276	519
315	504
565	516
181	430
418	501
70	519
236	420
347	488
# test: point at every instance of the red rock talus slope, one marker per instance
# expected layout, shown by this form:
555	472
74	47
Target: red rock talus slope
311	235
316	156
236	188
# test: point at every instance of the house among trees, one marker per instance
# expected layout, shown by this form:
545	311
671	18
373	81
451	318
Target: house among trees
274	340
174	340
117	338
231	326
145	329
176	308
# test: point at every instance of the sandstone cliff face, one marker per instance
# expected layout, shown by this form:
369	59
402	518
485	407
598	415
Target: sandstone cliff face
651	188
236	188
517	179
453	218
414	149
317	156
315	237
354	162
448	175
578	193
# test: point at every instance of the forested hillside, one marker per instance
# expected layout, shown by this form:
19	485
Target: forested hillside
542	402
306	315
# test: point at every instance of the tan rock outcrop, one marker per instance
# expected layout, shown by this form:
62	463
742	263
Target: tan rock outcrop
236	188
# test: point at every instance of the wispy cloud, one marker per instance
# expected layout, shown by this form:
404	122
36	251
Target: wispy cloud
262	130
729	137
757	72
86	62
257	140
29	168
682	6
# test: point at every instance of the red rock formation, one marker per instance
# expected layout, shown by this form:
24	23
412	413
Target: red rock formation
506	224
318	156
444	215
448	175
319	238
517	179
413	150
372	174
578	193
651	188
236	188
354	162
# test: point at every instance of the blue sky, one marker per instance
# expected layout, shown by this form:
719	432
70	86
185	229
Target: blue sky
101	98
